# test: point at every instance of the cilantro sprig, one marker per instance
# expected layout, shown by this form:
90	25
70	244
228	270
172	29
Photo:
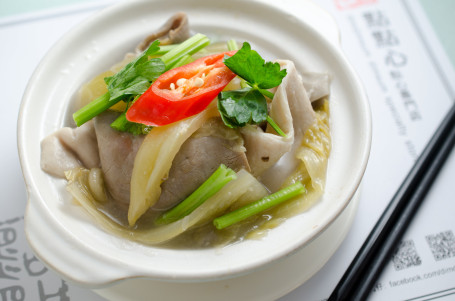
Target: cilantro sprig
250	66
135	78
249	105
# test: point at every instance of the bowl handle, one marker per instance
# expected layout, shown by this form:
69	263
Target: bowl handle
72	263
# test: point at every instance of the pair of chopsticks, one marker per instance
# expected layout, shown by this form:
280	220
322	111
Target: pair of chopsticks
359	279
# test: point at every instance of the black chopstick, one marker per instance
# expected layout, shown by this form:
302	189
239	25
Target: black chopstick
363	272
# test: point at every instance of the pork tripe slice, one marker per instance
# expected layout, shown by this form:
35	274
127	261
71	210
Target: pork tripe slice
272	157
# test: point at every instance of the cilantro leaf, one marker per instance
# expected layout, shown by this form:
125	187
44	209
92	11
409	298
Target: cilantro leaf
136	76
250	66
240	107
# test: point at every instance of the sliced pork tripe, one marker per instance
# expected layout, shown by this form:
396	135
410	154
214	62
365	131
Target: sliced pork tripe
117	151
69	148
209	147
317	85
175	30
272	157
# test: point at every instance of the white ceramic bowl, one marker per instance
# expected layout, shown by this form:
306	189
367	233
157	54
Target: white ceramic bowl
71	243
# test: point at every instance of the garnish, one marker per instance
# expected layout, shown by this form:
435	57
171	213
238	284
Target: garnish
247	105
135	78
132	80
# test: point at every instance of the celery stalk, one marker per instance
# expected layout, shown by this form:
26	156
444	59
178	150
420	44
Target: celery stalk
190	46
212	185
165	49
92	109
258	206
232	45
184	60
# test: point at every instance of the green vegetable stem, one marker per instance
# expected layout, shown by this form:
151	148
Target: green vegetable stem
258	206
232	45
93	108
188	47
212	185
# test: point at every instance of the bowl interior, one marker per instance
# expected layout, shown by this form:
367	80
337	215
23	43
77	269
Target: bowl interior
83	252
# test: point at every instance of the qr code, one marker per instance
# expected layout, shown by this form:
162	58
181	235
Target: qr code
442	245
406	256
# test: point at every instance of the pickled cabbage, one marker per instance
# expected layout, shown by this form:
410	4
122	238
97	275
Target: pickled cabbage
245	188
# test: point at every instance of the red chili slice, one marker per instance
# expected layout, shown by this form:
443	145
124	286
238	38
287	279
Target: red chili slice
182	92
